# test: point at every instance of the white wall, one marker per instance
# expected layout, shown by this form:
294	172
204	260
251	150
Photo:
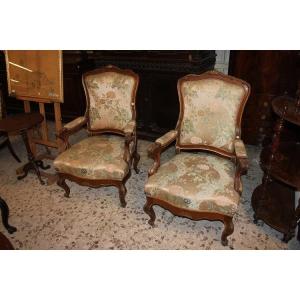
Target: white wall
222	61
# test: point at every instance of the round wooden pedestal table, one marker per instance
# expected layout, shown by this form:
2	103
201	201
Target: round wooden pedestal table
274	200
21	123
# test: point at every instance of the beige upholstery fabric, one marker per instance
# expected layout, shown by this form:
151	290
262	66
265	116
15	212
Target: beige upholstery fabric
130	127
210	112
76	122
96	157
110	95
196	181
240	149
167	138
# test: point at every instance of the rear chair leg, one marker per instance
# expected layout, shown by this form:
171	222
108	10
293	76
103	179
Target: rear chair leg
62	183
122	194
228	230
148	209
136	159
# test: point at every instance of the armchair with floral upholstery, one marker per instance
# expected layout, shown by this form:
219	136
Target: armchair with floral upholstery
4	138
202	181
105	157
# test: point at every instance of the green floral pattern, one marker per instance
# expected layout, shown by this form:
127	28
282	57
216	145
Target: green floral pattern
210	112
96	157
196	181
110	96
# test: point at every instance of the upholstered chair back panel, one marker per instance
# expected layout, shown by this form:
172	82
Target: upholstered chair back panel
210	108
110	97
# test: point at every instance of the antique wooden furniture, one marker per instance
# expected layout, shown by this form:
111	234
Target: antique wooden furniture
157	104
205	183
5	244
105	158
22	123
274	200
4	138
35	76
270	74
5	214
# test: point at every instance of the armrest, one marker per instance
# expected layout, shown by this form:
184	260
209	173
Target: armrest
242	163
71	128
239	148
167	138
155	149
130	127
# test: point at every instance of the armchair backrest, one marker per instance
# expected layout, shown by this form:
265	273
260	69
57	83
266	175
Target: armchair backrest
111	98
211	108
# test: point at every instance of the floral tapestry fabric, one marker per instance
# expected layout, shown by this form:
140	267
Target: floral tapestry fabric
210	112
110	96
167	138
196	181
96	157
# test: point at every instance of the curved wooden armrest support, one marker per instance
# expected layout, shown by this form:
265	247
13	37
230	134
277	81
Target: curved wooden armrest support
242	163
69	129
155	150
129	138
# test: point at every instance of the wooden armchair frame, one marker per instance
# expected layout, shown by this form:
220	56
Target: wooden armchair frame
129	133
239	157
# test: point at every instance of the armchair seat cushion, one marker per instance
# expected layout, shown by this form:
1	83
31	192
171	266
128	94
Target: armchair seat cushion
196	181
96	158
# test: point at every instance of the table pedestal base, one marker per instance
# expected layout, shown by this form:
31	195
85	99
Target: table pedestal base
34	165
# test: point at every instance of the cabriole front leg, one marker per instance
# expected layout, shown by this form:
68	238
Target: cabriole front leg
228	230
148	209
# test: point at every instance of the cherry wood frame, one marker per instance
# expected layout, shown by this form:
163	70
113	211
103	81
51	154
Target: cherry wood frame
156	149
132	159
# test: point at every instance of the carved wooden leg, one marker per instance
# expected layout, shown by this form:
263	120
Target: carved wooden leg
5	214
136	159
62	183
122	194
148	209
12	151
228	230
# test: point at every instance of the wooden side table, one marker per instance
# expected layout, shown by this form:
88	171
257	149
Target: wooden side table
274	200
22	123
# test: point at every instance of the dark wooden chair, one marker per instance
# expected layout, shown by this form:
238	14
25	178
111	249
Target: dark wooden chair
202	181
4	139
104	158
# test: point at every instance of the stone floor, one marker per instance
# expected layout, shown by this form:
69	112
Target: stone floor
93	218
